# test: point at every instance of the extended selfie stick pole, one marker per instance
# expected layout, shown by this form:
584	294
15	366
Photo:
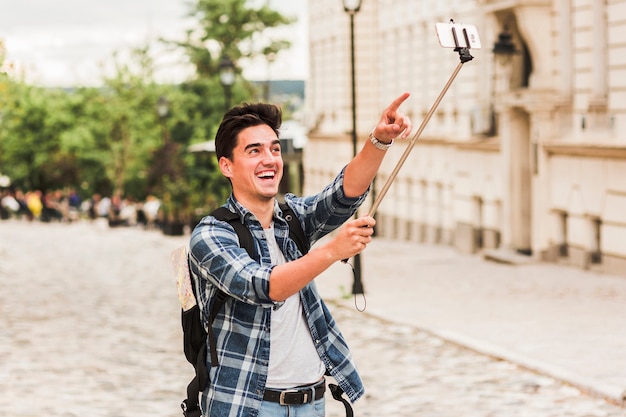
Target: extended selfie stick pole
465	56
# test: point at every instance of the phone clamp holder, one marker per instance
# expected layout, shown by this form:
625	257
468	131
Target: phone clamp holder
464	51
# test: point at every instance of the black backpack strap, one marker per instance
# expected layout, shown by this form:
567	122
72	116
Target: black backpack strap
295	228
195	350
190	405
244	235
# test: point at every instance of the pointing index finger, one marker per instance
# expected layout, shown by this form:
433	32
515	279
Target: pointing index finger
395	105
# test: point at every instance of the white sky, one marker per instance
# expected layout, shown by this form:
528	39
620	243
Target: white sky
65	42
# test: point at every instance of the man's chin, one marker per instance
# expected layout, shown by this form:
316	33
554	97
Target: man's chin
267	192
269	195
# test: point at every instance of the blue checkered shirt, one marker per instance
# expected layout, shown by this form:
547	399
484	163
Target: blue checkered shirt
242	327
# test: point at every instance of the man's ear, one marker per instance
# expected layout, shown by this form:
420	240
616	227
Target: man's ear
226	167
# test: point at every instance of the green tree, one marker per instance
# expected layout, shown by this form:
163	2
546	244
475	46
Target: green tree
131	119
111	140
30	127
88	139
231	28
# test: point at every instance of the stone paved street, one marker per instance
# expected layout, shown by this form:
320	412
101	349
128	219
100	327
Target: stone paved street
90	327
409	373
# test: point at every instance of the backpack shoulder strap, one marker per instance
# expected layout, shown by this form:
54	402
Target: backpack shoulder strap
244	235
295	228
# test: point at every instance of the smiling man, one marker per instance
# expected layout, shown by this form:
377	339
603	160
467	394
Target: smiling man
275	338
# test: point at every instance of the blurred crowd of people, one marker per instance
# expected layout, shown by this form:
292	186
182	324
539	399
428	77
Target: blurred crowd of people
67	206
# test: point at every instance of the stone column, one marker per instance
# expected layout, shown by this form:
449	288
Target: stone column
541	132
506	150
516	171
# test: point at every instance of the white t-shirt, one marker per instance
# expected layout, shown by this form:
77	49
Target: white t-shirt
293	358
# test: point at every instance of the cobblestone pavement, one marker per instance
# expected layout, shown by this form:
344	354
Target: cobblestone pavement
90	327
409	373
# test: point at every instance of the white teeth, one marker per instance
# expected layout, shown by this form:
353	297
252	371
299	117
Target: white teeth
266	175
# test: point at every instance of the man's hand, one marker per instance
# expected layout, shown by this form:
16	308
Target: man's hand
289	278
360	172
353	237
393	123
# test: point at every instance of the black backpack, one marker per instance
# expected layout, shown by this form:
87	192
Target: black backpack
194	335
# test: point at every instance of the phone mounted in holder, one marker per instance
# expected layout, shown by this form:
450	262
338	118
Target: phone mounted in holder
461	37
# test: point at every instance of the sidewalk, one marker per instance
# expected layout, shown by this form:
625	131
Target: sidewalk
556	320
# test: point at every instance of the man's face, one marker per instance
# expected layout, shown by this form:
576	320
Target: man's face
256	167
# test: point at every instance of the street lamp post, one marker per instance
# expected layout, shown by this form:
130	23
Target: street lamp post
227	79
352	7
270	58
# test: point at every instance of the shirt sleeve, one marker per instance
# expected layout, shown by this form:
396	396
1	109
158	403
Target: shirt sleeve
326	211
221	262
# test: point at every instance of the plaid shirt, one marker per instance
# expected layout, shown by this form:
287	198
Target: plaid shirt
242	328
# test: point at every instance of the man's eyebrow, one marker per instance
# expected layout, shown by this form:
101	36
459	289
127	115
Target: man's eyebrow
258	144
252	145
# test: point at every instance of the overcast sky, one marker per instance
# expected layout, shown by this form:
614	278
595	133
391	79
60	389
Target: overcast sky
64	42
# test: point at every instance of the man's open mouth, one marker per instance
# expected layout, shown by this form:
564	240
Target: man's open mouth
266	175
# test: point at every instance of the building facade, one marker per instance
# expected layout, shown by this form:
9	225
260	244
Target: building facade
526	153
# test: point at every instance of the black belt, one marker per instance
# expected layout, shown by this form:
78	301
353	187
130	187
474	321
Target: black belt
296	396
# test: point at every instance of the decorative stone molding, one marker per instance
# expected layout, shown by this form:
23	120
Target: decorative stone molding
492	6
587	150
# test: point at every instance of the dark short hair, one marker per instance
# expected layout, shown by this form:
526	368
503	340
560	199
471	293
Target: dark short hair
241	117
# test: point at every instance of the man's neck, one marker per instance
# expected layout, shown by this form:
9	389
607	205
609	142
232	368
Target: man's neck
263	210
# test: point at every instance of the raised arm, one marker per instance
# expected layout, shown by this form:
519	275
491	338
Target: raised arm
356	234
361	170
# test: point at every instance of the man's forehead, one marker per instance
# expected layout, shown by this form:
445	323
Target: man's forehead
263	134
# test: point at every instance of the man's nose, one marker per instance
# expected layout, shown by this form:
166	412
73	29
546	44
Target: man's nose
269	156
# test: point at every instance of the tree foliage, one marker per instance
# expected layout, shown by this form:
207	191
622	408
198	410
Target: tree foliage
112	140
231	28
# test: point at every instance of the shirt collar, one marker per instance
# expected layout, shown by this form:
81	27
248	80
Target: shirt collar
236	207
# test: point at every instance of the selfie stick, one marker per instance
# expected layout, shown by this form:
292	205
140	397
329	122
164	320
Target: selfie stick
465	56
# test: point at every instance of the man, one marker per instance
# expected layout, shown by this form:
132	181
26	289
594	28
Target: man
274	334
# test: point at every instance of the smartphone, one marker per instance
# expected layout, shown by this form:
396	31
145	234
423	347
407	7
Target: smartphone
466	35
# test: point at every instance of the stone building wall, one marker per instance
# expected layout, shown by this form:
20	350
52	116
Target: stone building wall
526	155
